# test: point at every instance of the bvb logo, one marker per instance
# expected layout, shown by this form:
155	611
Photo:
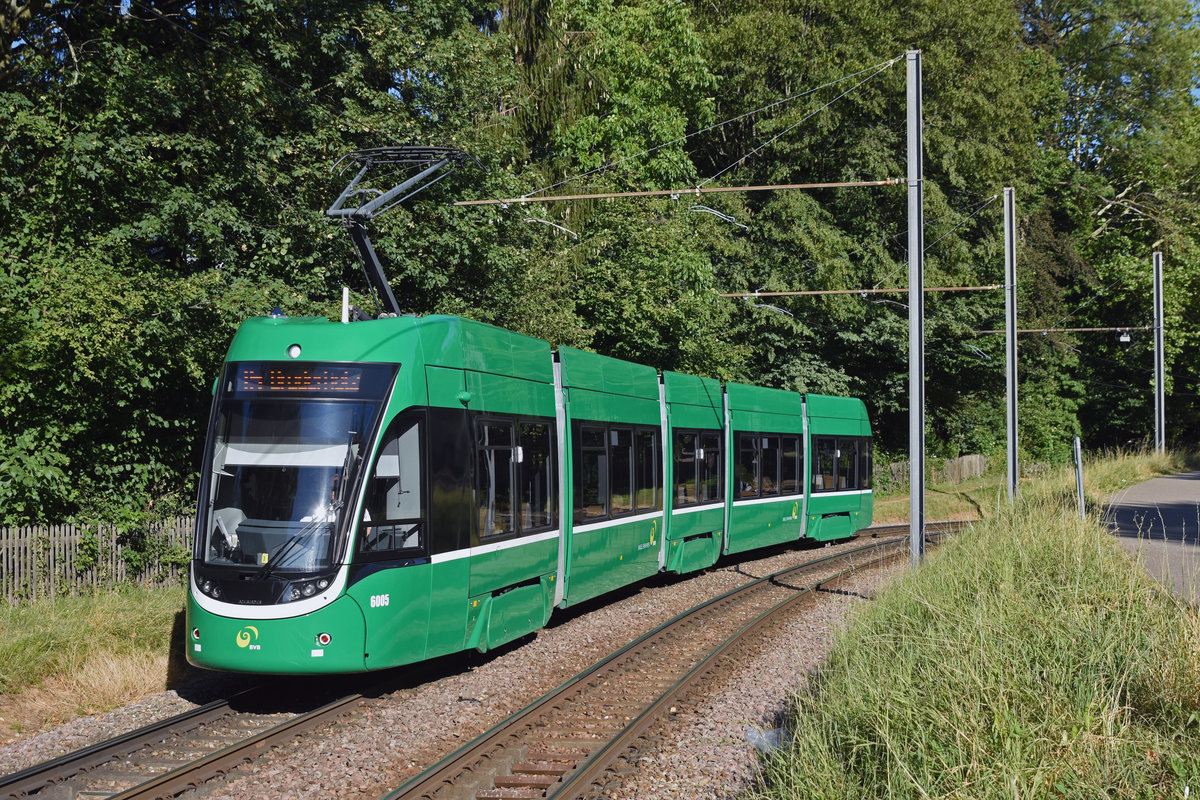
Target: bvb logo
246	635
795	509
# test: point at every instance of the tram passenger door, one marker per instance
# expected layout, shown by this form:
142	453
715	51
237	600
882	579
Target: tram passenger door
393	577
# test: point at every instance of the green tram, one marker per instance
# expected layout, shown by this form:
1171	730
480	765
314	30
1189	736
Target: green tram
385	491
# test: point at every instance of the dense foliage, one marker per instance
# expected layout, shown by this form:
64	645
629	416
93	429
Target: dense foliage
165	164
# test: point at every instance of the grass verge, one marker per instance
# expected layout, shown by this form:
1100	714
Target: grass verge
80	655
1104	474
1028	658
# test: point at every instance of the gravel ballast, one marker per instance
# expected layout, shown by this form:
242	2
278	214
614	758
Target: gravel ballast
706	749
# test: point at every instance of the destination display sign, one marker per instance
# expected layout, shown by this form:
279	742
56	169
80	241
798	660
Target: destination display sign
298	378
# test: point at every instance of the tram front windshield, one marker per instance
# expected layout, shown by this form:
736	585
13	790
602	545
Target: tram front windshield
287	442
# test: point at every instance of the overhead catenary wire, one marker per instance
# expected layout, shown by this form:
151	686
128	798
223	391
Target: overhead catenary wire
674	193
882	68
863	292
1089	301
1077	330
876	68
962	222
1123	365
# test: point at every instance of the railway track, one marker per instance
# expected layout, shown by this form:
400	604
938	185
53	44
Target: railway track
578	740
571	739
171	756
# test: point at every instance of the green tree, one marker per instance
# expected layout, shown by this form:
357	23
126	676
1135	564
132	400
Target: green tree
163	171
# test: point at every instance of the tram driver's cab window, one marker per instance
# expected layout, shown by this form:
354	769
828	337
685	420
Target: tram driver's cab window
393	517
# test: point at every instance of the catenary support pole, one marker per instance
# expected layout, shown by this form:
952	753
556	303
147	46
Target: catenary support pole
1160	405
1010	336
916	313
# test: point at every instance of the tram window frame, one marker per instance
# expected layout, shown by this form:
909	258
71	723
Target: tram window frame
377	531
847	467
771	479
791	476
595	481
707	467
713	464
686	468
866	463
647	486
748	485
824	447
450	458
488	472
770	451
620	464
524	449
529	470
852	458
591	467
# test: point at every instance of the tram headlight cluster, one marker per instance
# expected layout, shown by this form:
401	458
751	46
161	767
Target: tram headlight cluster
211	588
303	590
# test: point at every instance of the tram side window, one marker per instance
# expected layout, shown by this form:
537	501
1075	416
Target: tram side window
616	471
536	482
648	482
748	464
866	465
847	463
698	468
770	465
494	478
791	460
450	443
687	467
711	468
824	469
591	491
621	461
392	513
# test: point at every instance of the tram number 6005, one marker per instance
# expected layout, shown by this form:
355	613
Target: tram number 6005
380	600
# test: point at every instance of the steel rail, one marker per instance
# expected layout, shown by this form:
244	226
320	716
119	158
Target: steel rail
39	776
590	770
197	772
71	765
77	765
507	733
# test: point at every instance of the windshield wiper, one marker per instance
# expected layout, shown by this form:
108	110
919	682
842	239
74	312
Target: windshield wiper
331	515
292	542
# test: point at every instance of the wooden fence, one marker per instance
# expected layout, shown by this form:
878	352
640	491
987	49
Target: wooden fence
54	560
954	470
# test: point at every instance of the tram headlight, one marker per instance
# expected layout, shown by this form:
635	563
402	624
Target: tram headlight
302	590
211	588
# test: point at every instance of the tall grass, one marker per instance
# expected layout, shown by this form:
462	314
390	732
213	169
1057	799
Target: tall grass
1106	474
1028	658
74	655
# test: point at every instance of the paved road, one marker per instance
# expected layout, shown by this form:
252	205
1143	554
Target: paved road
1159	520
